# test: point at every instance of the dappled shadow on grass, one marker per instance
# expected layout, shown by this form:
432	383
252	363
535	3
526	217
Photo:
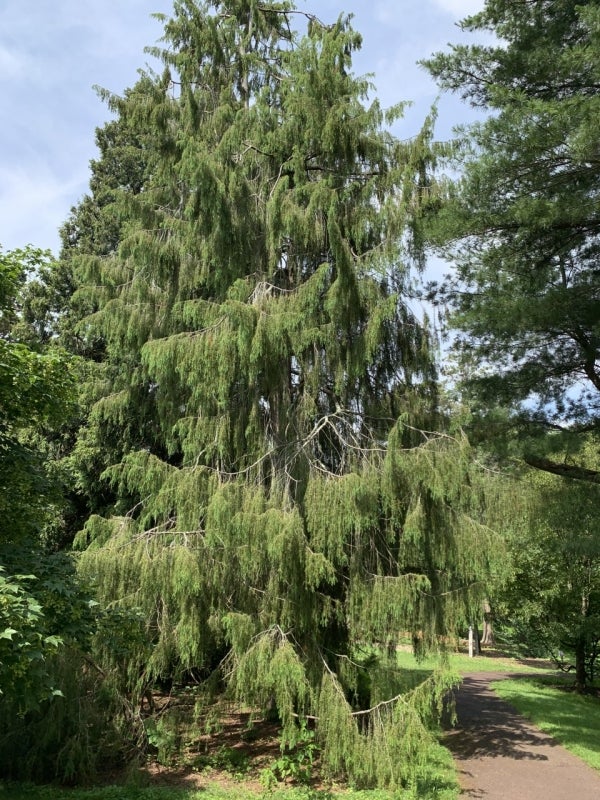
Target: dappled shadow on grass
231	757
489	660
111	792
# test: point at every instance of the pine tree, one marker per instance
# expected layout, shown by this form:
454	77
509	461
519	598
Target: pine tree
522	223
280	500
521	228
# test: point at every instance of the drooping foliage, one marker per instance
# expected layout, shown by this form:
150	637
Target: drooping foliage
522	225
263	417
94	228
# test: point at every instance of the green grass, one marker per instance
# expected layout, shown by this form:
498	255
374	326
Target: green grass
436	781
460	662
20	792
572	719
442	789
130	793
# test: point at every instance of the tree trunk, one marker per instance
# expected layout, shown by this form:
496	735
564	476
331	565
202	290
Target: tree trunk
580	648
487	638
580	671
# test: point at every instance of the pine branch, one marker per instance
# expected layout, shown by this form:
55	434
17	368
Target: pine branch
396	699
564	470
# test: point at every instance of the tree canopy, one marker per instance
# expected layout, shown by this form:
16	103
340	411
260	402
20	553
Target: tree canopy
552	600
279	488
37	392
522	225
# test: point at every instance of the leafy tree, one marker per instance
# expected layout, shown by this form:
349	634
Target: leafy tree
57	717
553	599
267	400
522	222
36	390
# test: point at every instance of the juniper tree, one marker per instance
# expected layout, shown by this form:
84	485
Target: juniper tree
282	496
94	228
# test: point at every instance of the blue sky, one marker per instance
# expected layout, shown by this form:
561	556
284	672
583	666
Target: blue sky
53	52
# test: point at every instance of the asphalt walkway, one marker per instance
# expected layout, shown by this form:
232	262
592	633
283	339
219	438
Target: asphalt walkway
501	756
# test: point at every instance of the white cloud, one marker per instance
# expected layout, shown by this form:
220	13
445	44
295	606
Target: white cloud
11	66
34	203
460	8
51	54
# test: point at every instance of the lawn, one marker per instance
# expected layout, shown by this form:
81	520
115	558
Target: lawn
490	661
572	719
443	789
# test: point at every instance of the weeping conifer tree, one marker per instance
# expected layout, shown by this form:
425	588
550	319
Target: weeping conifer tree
279	500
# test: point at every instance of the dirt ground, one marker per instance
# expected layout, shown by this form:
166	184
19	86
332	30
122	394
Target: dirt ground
236	755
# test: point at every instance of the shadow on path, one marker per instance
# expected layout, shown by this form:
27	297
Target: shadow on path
488	726
501	756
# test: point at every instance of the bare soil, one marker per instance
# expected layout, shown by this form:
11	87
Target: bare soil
234	755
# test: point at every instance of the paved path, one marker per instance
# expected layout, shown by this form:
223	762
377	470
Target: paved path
501	756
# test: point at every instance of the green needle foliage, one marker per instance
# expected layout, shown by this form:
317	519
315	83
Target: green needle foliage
522	224
267	398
